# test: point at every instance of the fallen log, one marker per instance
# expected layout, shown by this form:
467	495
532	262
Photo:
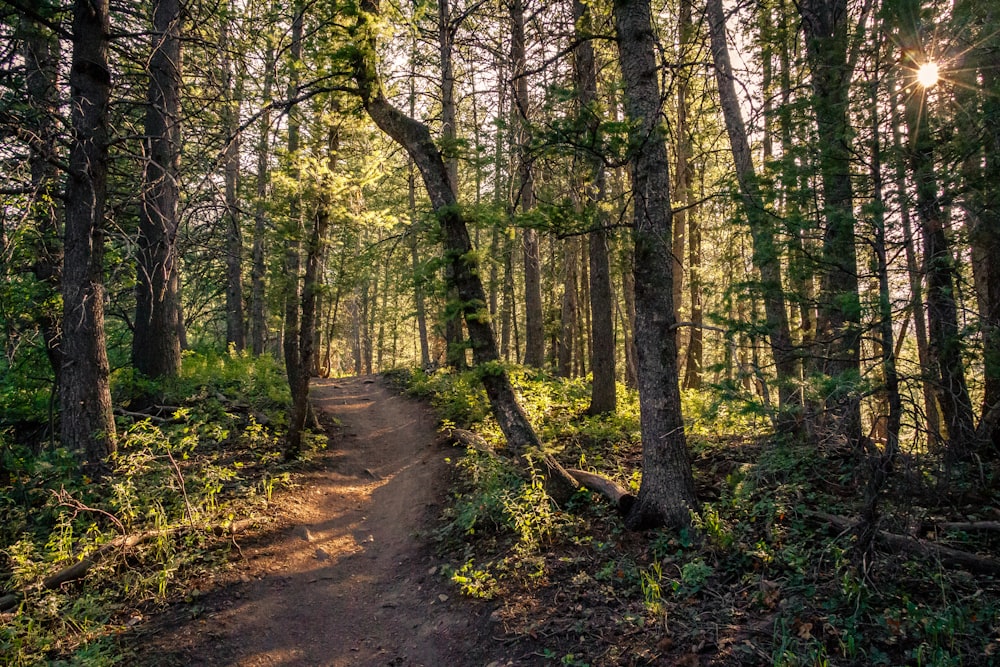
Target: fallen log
913	545
78	570
988	526
616	494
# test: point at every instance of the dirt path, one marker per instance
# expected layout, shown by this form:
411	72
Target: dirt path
347	577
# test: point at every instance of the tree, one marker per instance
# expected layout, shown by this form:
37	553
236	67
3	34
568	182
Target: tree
602	336
416	139
455	353
945	339
666	495
825	23
258	319
41	60
231	85
293	260
85	392
534	324
766	255
311	284
156	349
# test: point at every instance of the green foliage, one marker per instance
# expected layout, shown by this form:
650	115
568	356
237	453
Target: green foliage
755	555
458	397
177	477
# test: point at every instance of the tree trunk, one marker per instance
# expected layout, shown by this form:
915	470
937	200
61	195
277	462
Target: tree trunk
293	259
631	357
694	363
666	495
258	299
418	272
454	340
766	253
881	463
235	325
945	339
569	309
416	139
41	62
534	322
311	285
931	416
688	213
825	23
980	171
602	331
985	240
156	349
85	393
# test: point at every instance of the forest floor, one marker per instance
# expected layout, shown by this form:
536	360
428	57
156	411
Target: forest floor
391	547
345	576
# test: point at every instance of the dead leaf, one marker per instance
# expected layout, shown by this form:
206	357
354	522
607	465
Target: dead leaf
804	630
770	593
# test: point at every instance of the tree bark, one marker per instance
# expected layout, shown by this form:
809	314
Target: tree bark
156	348
235	325
666	495
293	259
881	463
944	338
311	285
569	309
931	416
41	62
258	302
534	323
825	23
454	340
603	398
85	393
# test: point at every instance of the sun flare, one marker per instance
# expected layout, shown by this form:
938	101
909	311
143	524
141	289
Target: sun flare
927	75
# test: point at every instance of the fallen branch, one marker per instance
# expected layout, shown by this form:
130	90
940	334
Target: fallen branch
79	569
140	416
988	526
913	545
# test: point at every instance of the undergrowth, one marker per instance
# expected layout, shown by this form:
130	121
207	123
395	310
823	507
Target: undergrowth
206	456
759	579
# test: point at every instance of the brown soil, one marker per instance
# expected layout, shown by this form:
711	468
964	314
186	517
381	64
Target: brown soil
347	576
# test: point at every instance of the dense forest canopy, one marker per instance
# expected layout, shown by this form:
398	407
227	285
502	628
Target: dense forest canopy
806	189
788	206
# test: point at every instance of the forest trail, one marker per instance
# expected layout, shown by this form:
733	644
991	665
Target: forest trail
346	578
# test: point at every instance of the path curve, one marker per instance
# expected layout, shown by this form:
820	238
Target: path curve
347	578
